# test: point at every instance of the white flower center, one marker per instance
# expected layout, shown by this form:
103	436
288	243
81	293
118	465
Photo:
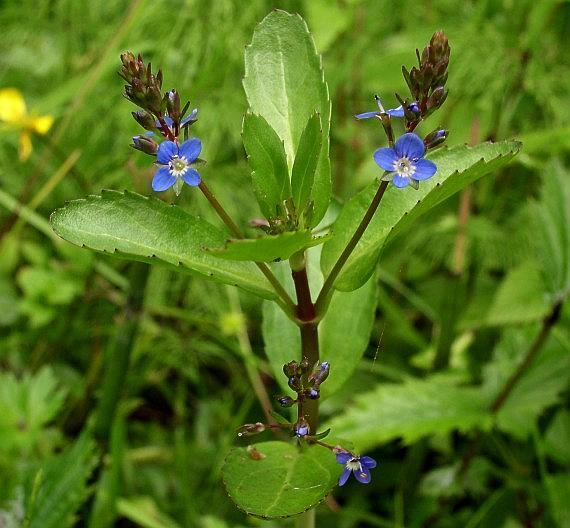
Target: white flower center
178	165
354	464
404	167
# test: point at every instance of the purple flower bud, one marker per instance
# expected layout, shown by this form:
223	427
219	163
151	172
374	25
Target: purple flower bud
145	144
435	138
286	401
313	394
320	374
295	383
144	119
302	428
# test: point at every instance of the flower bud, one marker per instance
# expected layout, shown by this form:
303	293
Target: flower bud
145	144
286	401
290	369
437	98
302	428
295	383
251	429
173	105
435	138
144	119
320	374
313	394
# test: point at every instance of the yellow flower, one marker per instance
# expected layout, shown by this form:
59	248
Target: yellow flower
14	113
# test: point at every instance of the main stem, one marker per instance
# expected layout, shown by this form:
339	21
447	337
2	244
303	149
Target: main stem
284	299
324	296
308	326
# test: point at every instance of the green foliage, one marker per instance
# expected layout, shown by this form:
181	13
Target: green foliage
146	229
27	406
552	225
267	248
284	84
457	168
266	156
306	160
343	333
520	298
412	410
539	388
61	487
275	479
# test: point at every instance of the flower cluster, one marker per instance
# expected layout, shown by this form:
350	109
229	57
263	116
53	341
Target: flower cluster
403	161
161	115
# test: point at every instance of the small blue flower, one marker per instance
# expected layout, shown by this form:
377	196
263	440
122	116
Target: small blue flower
174	165
393	112
359	466
191	117
404	162
302	428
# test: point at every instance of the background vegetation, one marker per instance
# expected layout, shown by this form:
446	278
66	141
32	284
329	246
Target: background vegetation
462	298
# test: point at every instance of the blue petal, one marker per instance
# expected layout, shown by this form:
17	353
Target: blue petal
367	461
410	145
367	115
343	458
344	477
190	149
166	150
396	112
167	120
191	177
385	158
400	181
363	476
424	169
163	180
190	117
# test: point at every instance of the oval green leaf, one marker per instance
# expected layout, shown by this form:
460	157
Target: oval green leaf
132	226
277	479
456	168
284	84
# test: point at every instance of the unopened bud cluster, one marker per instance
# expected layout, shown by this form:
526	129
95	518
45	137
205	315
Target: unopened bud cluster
161	112
304	380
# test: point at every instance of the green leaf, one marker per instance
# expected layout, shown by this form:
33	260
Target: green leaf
520	298
63	486
540	386
306	160
283	482
344	332
267	248
558	488
266	155
284	83
145	513
551	226
27	406
457	168
149	230
411	410
555	440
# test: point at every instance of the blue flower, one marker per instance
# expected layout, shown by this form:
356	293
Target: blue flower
191	117
404	162
393	112
359	466
302	428
174	165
